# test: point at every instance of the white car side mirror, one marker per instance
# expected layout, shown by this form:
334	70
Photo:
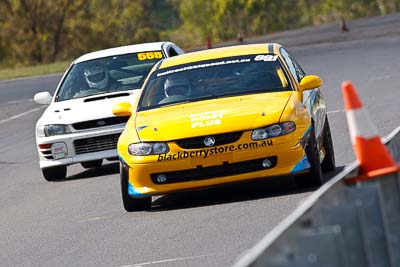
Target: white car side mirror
43	98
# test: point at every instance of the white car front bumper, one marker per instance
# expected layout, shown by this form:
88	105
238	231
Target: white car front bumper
79	146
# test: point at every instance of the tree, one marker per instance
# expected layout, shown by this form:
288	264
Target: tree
35	28
44	31
37	31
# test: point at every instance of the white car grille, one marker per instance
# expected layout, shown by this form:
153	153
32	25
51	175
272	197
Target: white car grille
95	144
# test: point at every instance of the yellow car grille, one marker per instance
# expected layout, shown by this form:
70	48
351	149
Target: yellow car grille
202	173
198	142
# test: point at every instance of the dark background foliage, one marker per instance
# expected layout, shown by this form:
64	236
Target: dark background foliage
43	31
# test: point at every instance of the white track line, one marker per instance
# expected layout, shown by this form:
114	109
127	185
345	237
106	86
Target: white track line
13	102
20	115
163	261
336	111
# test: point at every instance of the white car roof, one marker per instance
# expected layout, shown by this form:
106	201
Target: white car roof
156	46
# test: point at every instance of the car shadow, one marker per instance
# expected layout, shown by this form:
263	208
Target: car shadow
331	174
105	169
235	192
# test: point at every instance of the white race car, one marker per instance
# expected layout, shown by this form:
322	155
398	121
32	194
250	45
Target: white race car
78	125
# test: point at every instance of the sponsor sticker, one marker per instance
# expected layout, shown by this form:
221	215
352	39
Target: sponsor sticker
208	118
204	153
204	65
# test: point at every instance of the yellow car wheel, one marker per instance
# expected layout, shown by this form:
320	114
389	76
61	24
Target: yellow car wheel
328	164
314	177
130	203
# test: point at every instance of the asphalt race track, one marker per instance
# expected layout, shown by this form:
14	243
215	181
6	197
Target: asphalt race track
80	221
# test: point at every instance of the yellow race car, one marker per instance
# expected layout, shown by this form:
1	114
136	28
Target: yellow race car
221	116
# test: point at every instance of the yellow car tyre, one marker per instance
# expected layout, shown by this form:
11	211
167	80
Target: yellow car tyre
328	164
55	173
130	203
92	164
314	177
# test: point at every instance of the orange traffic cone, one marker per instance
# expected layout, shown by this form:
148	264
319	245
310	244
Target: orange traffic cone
373	157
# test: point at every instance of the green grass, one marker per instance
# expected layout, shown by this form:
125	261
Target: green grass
29	71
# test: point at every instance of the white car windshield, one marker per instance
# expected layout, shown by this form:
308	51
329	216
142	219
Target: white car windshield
109	74
216	78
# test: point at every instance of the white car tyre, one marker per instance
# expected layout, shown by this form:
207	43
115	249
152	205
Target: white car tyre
92	164
54	173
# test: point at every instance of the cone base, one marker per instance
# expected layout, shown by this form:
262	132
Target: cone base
372	154
372	175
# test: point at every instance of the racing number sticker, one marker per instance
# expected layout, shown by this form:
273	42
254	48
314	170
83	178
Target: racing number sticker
266	58
149	55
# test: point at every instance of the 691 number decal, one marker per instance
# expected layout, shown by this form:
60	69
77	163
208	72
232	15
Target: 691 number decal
150	55
266	58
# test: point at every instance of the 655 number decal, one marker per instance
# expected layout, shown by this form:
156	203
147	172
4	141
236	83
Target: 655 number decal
150	55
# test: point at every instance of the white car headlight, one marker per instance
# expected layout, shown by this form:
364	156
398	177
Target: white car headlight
273	130
143	149
52	129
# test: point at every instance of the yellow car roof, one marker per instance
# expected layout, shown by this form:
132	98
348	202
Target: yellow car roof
222	52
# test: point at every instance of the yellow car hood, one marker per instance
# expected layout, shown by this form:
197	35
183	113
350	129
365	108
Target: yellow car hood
214	116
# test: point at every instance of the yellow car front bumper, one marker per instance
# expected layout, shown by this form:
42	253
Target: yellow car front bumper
196	168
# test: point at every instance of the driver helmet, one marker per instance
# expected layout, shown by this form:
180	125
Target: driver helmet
96	77
177	86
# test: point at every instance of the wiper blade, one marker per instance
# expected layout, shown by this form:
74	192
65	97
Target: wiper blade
174	104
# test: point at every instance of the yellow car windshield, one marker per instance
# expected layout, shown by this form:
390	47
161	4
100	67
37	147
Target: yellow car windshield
216	78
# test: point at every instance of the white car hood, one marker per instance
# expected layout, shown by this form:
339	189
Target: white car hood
85	109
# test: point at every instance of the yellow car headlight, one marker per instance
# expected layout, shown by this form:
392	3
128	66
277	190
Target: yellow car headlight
144	149
274	130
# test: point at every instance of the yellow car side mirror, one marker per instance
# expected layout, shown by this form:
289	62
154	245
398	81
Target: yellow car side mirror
310	82
122	109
